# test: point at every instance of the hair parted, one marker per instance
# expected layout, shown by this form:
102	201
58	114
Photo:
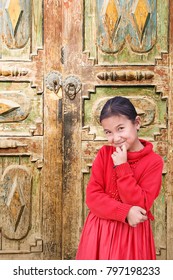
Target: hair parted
116	106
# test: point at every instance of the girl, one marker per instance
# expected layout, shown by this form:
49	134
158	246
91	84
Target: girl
125	181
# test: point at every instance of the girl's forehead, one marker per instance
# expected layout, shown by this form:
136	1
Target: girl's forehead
116	118
115	121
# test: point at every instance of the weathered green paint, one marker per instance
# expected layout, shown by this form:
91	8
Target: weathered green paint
21	29
92	107
22	119
126	46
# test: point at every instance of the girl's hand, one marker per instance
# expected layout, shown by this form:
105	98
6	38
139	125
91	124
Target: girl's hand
120	155
136	215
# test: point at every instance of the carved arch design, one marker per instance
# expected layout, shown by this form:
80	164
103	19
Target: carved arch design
17	19
120	21
15	204
20	28
125	31
150	105
21	111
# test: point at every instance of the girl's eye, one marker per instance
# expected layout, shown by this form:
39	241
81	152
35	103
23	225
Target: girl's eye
107	132
120	128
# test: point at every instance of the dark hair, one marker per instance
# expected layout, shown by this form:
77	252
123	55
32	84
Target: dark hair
118	105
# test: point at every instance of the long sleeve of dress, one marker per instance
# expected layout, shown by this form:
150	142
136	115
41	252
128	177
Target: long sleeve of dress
98	201
144	192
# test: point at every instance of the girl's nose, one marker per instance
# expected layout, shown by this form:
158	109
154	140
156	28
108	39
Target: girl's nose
116	138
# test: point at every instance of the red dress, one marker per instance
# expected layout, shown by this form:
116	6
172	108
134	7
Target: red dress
110	193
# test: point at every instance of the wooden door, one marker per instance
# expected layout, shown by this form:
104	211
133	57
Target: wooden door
30	130
59	62
114	48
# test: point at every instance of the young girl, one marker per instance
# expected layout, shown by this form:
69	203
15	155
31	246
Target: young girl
125	181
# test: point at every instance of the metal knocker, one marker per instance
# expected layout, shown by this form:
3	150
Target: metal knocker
56	86
54	81
72	86
70	90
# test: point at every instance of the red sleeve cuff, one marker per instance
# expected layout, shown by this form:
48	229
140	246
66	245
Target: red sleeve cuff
122	212
123	169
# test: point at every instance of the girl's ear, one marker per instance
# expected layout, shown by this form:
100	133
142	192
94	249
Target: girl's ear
138	122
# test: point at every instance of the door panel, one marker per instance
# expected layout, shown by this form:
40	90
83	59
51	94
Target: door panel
124	52
30	130
121	30
21	129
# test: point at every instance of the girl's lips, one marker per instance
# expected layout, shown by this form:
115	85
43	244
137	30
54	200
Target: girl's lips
119	144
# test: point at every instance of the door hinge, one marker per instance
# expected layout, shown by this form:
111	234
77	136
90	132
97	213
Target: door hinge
62	55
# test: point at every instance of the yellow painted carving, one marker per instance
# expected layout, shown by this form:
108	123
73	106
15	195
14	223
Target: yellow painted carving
111	16
7	106
4	108
14	11
15	202
141	14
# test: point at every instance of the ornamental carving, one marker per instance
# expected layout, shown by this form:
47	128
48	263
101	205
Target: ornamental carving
21	29
121	22
126	75
125	32
150	106
21	110
15	204
12	72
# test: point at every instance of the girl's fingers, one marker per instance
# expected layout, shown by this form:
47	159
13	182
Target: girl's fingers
118	149
143	211
124	148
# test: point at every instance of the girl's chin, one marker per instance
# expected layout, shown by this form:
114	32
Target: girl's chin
120	146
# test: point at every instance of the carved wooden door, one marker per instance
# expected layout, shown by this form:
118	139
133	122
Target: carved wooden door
59	62
30	131
115	48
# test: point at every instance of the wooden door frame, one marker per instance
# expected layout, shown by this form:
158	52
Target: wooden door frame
52	168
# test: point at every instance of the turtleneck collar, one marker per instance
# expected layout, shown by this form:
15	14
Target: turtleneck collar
143	152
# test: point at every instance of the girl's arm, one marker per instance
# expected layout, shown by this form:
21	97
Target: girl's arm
145	192
100	203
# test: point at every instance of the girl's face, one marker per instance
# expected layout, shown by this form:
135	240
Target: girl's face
120	131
